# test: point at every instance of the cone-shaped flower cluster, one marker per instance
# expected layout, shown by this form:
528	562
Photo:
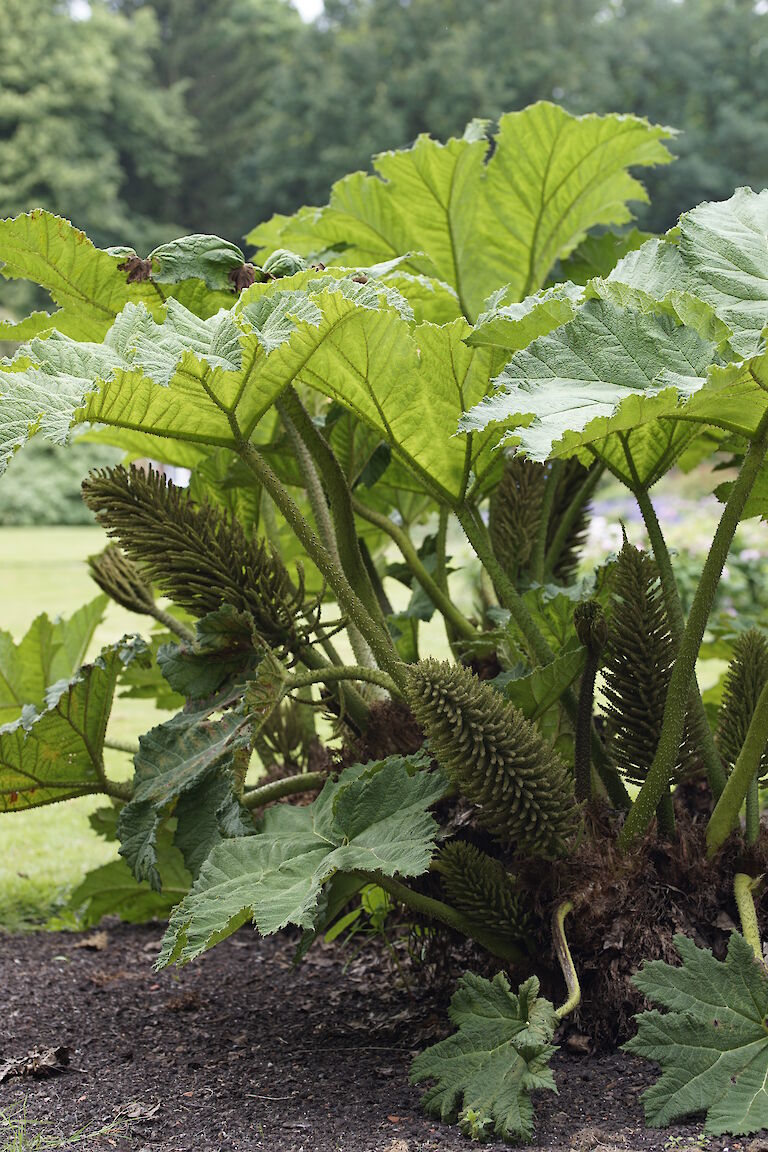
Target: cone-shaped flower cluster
639	656
482	889
194	553
744	681
495	757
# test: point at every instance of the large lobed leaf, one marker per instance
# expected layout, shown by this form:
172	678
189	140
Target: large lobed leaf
51	650
608	373
485	1072
191	380
374	819
480	223
712	1044
85	282
56	753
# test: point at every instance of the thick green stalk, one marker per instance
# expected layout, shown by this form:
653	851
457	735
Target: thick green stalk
438	910
440	599
377	636
563	530
726	814
277	789
752	829
350	700
186	635
583	733
538	555
706	741
333	674
507	592
565	960
678	695
122	746
319	505
743	887
340	498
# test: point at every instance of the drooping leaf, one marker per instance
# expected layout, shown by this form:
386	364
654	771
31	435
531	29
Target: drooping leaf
173	758
50	651
374	818
485	1072
712	1044
206	258
481	223
224	650
56	753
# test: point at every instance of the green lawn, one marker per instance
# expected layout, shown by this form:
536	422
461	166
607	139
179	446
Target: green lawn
44	853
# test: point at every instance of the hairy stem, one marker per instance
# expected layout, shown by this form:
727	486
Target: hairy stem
290	786
538	555
583	735
726	814
340	498
752	829
705	740
333	675
186	635
122	746
319	505
743	887
507	592
438	910
376	635
567	521
565	960
678	694
438	596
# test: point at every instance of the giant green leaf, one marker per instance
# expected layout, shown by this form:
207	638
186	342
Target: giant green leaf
374	818
51	650
483	223
712	1044
195	380
601	382
712	271
85	282
485	1072
57	753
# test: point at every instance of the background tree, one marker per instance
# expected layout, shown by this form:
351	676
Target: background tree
86	128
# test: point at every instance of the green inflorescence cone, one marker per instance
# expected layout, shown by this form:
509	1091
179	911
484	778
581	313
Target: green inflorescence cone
121	579
640	653
482	889
194	553
744	681
515	511
495	757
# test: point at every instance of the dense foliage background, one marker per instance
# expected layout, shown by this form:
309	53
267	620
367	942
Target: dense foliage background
150	118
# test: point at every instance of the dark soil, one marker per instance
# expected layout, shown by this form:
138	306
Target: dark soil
242	1050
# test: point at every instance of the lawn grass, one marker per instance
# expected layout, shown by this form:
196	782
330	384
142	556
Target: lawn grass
45	852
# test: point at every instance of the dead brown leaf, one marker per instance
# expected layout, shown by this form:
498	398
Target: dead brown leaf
96	942
37	1063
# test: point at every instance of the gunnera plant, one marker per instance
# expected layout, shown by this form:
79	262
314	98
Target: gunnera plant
339	400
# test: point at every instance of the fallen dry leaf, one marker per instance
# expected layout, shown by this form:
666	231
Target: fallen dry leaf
38	1063
135	1110
96	942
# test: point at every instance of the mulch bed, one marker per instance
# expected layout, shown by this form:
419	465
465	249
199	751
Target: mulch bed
242	1050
